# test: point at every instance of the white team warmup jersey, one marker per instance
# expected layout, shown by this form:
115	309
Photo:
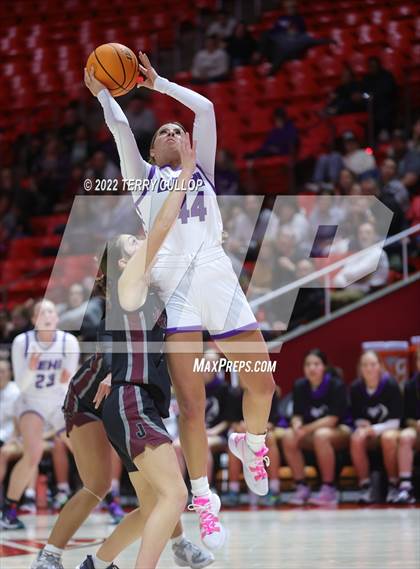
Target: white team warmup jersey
192	273
8	396
42	390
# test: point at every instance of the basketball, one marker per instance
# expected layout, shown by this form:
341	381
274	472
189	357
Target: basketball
115	66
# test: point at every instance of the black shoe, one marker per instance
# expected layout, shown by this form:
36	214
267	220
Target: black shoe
405	496
88	564
8	521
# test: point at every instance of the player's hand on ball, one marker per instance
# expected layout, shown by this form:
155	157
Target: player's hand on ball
187	153
104	390
147	70
92	83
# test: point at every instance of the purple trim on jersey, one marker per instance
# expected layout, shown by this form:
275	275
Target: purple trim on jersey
136	332
64	344
322	388
251	326
32	411
183	329
151	172
211	183
169	166
378	390
49	345
26	344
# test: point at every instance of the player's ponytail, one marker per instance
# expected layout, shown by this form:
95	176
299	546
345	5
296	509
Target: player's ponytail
109	266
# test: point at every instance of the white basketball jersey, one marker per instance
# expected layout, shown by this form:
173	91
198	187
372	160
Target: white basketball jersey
199	224
62	354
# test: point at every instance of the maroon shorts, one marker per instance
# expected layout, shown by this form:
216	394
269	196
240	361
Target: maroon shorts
76	412
132	422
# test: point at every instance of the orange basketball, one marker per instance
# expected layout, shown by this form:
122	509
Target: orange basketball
115	66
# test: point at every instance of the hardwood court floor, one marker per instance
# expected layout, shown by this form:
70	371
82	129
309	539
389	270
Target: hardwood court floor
345	538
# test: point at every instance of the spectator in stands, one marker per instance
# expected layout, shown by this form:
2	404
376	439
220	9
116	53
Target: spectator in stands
281	140
81	314
232	498
328	210
249	225
288	38
5	325
408	160
414	143
380	84
223	26
241	46
142	122
389	184
81	146
8	186
70	126
21	320
370	187
319	412
294	220
262	275
102	168
353	158
309	303
409	440
345	181
210	63
288	253
367	273
226	174
376	407
347	97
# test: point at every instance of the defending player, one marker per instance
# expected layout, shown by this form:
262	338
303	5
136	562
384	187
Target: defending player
93	455
43	361
200	290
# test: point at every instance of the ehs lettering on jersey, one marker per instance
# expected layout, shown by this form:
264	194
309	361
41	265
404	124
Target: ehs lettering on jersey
46	365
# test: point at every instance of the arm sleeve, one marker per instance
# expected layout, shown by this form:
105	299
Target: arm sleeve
71	361
386	425
204	131
133	165
24	377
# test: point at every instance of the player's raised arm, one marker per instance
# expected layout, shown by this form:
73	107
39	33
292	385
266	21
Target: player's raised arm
133	165
132	285
204	132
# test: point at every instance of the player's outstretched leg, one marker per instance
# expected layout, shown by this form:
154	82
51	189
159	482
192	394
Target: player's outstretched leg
258	388
190	394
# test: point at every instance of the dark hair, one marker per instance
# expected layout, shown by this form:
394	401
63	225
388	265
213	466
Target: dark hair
319	354
109	266
152	160
332	370
280	113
